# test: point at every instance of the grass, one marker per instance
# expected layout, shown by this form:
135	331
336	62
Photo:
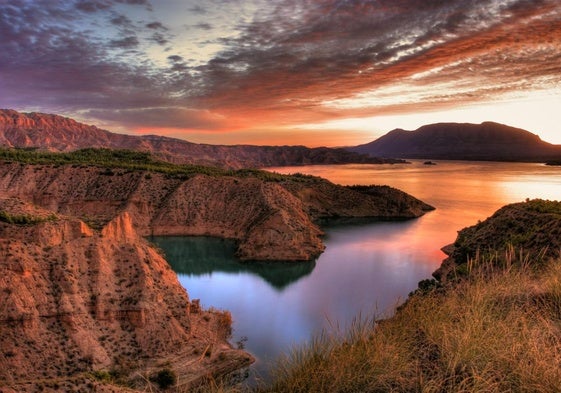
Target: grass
497	331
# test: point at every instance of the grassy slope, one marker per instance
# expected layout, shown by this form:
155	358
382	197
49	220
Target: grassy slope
495	332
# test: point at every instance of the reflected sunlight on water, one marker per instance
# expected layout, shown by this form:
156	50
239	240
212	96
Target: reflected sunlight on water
365	268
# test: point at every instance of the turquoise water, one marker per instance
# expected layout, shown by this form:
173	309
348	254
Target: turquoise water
365	269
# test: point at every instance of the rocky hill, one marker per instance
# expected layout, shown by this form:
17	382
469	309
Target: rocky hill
530	230
97	310
462	141
57	133
271	216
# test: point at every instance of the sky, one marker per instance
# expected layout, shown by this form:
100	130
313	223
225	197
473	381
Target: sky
284	72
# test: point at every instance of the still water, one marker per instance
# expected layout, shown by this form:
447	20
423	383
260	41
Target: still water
365	269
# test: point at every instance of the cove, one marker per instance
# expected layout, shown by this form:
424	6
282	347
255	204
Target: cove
365	269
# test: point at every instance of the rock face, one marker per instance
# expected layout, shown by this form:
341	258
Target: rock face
532	228
57	133
462	141
74	301
270	220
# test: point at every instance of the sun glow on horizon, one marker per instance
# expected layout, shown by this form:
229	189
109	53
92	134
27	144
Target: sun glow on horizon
537	113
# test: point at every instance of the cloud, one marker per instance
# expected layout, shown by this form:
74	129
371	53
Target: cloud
125	43
204	26
93	5
53	61
163	117
285	61
156	26
159	38
328	49
122	21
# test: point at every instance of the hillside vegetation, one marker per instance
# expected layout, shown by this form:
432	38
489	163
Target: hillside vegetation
130	159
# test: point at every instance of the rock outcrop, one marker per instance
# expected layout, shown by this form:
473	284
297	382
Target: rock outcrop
528	230
271	220
462	141
58	133
78	305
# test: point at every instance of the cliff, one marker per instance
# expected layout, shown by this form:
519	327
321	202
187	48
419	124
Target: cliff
462	141
57	133
81	310
272	217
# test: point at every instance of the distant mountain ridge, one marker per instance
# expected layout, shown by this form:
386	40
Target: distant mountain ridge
462	141
58	133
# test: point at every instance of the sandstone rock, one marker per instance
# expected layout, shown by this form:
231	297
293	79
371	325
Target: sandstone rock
270	220
73	300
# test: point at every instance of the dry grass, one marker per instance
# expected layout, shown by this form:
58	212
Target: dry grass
498	331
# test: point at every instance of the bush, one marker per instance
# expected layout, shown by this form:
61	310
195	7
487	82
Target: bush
164	378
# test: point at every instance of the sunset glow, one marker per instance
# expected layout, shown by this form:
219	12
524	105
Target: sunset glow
329	72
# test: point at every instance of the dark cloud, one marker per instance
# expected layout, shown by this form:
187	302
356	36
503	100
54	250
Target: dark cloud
134	2
204	26
93	5
175	58
198	9
177	63
156	26
122	21
125	43
159	38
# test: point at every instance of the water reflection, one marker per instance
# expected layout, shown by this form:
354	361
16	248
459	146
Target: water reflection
197	256
365	268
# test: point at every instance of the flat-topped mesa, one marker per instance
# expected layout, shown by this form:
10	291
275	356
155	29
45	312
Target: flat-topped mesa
75	301
271	220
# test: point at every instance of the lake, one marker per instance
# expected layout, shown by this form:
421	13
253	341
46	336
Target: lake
365	269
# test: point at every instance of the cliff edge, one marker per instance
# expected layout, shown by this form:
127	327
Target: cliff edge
93	310
272	217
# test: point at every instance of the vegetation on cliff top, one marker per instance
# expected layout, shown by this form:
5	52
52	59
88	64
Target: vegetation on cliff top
24	219
134	160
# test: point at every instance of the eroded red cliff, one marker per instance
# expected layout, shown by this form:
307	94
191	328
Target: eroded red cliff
74	301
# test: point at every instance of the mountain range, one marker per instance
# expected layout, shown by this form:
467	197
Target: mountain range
462	141
57	133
